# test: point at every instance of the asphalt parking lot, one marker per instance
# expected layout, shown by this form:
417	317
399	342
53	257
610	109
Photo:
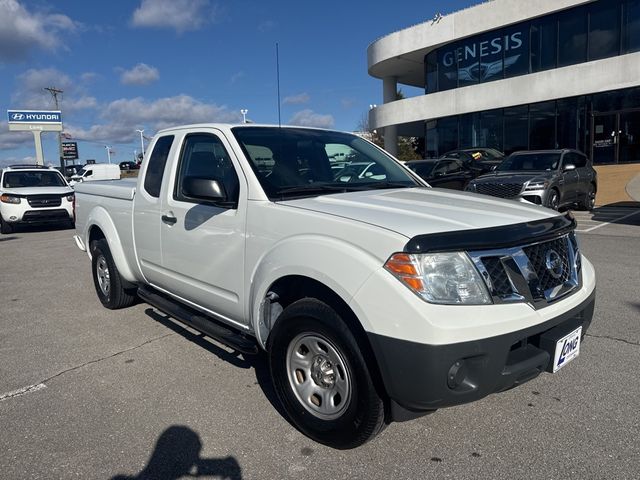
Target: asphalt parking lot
91	393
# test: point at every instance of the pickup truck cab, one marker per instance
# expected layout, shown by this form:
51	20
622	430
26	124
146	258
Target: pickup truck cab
376	299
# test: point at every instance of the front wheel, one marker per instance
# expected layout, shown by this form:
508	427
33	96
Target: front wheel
110	286
321	378
553	201
589	201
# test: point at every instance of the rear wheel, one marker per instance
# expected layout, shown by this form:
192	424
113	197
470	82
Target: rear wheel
589	201
321	377
110	286
5	227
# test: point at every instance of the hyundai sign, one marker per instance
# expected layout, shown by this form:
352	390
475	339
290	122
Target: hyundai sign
49	117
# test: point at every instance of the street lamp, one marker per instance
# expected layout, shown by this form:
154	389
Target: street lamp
141	140
108	152
244	112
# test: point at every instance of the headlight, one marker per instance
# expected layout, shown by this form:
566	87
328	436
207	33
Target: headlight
538	185
471	187
70	197
444	278
9	199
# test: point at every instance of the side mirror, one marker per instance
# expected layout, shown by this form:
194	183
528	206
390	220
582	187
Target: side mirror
204	189
568	167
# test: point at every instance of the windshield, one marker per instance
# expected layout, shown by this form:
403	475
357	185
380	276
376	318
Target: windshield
530	162
304	162
33	179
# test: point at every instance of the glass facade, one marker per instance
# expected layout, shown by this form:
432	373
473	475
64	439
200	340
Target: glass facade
606	126
594	31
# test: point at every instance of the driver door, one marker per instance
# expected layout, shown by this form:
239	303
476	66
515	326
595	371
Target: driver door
203	242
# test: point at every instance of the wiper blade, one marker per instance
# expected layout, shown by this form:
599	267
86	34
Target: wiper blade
311	189
374	185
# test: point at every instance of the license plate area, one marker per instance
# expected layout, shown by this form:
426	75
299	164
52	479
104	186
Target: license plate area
567	348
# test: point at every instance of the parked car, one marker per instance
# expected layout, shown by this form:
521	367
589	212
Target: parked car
553	178
375	300
129	166
33	194
480	160
444	173
96	171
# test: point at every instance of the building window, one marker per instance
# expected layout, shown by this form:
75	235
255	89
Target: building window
431	72
568	123
447	68
542	132
604	30
631	22
447	134
469	130
572	37
491	130
516	50
516	129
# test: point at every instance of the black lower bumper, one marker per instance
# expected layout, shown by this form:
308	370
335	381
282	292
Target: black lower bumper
45	216
420	378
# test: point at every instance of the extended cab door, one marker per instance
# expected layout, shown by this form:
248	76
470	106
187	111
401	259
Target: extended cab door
146	211
203	239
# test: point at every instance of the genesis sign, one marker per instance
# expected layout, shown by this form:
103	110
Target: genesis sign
49	117
483	49
472	52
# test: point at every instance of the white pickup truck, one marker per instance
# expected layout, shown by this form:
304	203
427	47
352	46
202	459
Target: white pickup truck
376	297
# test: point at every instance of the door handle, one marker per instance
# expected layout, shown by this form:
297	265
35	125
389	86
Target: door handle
168	218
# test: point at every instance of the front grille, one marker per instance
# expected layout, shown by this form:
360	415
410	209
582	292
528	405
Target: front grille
536	273
550	261
45	215
41	201
497	275
502	190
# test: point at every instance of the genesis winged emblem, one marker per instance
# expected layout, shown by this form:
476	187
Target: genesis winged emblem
482	71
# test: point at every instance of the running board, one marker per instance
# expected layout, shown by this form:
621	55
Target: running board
207	325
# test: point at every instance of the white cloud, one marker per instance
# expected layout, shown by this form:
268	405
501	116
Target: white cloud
181	15
21	30
9	140
141	74
31	91
298	99
308	118
122	117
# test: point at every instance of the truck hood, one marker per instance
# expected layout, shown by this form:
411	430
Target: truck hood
38	191
419	211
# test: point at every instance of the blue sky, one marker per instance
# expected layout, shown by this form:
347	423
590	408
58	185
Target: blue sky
149	64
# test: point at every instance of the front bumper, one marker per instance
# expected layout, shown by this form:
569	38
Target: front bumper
420	378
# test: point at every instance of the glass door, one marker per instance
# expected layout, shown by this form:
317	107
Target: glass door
629	145
605	138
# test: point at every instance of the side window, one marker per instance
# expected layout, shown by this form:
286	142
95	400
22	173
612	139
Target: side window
88	173
441	168
571	158
455	167
580	160
204	156
157	162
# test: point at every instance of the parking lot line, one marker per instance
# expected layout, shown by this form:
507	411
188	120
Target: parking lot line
614	220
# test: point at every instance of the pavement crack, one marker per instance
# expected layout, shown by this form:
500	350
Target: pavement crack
97	360
608	337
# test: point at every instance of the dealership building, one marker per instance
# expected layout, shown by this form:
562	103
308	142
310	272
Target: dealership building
514	75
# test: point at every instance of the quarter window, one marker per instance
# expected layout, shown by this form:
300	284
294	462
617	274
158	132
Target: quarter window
157	162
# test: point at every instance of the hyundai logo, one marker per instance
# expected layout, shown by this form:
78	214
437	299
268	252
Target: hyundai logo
17	116
554	265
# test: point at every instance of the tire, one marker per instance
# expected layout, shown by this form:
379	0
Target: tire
589	201
553	201
321	378
5	227
112	290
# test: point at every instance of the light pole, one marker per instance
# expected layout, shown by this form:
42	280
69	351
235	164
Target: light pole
141	140
108	152
244	112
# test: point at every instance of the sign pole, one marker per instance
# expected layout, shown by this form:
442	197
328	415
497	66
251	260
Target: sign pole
38	141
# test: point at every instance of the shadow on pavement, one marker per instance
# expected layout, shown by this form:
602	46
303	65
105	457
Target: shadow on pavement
603	213
6	239
177	454
259	362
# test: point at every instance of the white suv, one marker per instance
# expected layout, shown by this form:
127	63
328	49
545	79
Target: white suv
34	194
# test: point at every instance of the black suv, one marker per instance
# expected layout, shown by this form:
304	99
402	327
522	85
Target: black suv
553	178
